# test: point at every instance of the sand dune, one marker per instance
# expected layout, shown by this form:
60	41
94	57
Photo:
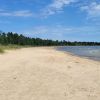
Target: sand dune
46	74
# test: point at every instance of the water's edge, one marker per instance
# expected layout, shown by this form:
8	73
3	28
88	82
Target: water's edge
87	52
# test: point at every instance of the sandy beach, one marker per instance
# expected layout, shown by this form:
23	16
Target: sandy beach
42	73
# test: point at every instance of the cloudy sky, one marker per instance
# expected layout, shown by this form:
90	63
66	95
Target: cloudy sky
74	20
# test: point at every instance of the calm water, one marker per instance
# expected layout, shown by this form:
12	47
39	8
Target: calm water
92	52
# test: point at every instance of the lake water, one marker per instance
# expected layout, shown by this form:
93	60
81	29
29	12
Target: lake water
92	52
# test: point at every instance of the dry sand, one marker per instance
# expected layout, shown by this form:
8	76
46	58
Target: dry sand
47	74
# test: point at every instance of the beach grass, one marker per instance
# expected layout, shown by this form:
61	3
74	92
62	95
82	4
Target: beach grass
9	47
1	50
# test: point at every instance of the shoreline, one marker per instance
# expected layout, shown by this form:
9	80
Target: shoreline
77	56
47	74
72	54
82	57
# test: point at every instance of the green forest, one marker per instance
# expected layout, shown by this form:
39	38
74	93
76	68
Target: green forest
19	39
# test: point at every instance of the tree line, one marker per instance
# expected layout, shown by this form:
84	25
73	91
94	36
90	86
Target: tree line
19	39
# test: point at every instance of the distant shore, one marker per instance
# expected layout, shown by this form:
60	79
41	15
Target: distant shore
43	73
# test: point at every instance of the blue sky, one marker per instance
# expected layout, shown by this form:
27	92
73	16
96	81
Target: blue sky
74	20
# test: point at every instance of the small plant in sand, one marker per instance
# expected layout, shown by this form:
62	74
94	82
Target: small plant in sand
1	50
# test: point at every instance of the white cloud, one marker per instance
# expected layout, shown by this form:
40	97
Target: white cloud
64	32
40	30
24	13
60	30
20	13
56	7
93	9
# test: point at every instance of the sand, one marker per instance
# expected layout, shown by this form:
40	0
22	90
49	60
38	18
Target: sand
46	74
